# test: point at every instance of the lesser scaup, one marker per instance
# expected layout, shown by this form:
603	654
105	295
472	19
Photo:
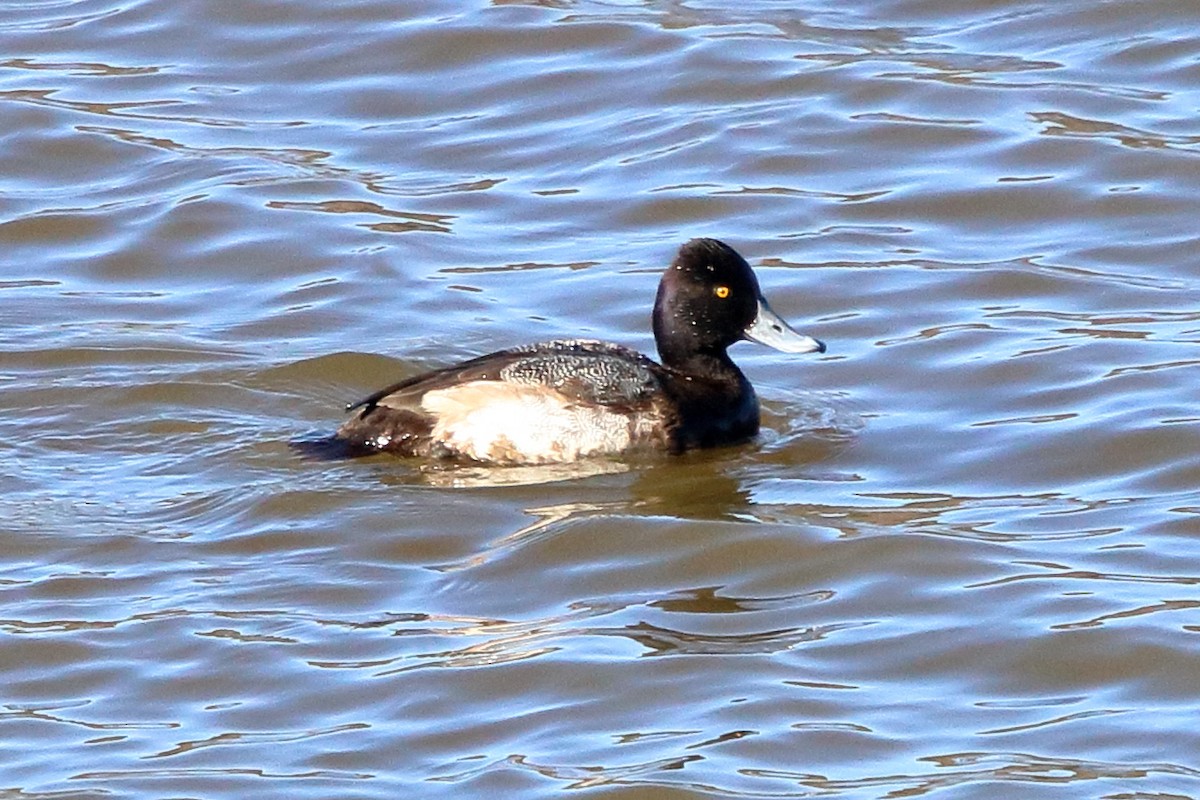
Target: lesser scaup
563	400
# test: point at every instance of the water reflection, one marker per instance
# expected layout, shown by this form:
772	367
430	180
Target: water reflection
76	67
495	642
476	476
999	518
969	768
548	521
578	777
660	641
709	600
410	220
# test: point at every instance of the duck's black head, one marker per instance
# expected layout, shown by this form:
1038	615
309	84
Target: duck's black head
707	300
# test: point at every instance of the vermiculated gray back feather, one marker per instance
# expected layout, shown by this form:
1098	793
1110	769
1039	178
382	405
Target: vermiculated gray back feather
596	372
591	371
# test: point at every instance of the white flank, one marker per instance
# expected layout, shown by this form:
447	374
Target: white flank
508	422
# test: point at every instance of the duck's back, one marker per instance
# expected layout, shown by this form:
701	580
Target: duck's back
544	403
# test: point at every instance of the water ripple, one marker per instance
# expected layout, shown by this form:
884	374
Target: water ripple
959	559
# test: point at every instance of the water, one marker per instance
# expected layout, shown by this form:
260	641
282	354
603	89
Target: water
959	562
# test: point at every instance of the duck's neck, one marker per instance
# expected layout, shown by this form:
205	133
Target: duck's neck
712	364
683	350
715	401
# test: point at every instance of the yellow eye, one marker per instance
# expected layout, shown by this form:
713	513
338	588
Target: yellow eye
721	292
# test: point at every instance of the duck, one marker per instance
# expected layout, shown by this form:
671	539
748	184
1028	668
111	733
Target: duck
570	399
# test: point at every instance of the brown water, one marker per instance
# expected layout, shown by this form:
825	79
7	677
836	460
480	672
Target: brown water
960	562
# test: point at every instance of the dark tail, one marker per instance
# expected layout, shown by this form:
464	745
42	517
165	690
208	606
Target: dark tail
375	430
329	448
